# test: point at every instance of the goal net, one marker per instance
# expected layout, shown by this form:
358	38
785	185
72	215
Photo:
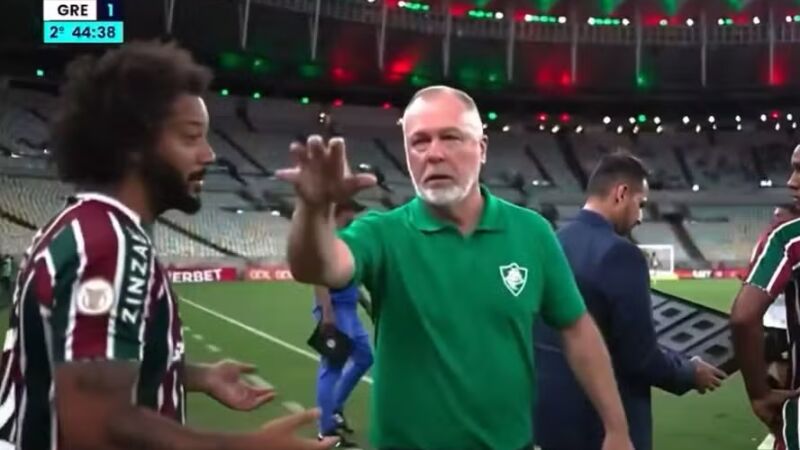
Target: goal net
660	260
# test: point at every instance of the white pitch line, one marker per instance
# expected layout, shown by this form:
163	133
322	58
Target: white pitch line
293	407
259	333
213	348
198	337
258	382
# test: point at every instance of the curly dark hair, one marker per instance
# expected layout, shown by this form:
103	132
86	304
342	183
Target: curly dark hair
115	105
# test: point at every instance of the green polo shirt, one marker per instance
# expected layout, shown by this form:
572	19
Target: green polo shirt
454	317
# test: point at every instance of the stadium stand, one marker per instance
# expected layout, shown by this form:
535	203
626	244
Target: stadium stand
727	234
243	206
15	238
35	200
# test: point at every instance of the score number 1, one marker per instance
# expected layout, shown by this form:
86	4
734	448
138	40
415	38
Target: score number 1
109	10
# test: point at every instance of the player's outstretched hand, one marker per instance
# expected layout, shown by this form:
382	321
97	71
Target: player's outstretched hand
617	441
226	384
768	408
321	176
280	434
707	378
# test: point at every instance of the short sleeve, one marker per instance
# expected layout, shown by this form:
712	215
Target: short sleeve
562	303
773	262
103	279
363	238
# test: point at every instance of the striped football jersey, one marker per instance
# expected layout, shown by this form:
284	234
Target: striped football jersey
90	288
774	269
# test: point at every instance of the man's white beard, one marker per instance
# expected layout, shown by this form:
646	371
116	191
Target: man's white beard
446	196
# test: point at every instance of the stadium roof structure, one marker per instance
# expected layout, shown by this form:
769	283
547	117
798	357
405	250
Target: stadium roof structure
512	54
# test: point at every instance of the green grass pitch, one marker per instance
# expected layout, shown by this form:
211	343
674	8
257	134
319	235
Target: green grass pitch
268	323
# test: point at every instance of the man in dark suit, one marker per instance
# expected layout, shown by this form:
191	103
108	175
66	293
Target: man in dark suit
613	277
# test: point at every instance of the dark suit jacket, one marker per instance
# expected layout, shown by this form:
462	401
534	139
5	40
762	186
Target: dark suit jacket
614	279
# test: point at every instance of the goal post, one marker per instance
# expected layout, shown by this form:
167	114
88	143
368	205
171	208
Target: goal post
660	260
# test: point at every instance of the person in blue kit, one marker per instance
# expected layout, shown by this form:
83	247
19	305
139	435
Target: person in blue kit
614	280
338	309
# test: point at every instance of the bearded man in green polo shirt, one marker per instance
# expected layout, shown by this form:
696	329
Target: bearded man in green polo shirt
457	277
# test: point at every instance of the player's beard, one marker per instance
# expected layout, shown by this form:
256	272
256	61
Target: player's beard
450	195
168	188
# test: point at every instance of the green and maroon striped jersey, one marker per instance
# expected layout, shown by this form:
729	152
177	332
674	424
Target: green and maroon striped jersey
775	258
90	288
774	269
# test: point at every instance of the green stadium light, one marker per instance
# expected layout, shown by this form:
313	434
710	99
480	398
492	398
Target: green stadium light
224	92
492	115
641	118
413	6
39	73
256	95
310	70
480	14
304	100
642	81
417	80
232	61
608	21
544	19
260	65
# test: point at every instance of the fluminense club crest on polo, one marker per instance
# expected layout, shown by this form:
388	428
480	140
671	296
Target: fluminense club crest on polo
514	277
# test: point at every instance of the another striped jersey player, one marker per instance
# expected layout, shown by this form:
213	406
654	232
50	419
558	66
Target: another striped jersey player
90	288
774	269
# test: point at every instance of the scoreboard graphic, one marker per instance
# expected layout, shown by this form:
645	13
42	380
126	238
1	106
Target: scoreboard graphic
83	22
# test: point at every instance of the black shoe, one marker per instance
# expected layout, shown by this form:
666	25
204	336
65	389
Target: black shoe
343	442
341	423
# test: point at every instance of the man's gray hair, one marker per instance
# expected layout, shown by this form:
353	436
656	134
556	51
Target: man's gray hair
432	91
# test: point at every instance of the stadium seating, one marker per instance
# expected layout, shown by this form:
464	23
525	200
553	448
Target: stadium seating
660	233
545	148
37	200
14	239
253	137
250	234
728	234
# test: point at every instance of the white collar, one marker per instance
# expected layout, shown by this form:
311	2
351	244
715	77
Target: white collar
103	198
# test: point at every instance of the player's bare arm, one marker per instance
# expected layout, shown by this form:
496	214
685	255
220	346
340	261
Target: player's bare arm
748	339
321	178
323	299
104	390
225	382
588	357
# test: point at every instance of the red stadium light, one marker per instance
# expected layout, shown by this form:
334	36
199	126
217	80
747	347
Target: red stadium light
565	117
339	74
776	115
652	20
338	102
387	105
459	10
542	117
519	15
742	19
402	66
778	73
566	79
